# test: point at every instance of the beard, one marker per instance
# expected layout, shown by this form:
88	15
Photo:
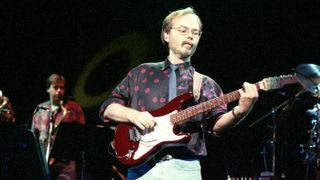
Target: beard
186	53
182	50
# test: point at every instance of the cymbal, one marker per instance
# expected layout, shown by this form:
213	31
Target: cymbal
309	76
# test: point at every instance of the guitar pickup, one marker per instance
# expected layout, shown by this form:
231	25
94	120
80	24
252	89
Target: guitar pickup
134	134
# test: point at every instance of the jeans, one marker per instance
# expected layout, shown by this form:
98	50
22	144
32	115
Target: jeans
176	169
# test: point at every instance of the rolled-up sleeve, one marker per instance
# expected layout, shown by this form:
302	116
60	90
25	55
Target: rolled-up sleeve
120	95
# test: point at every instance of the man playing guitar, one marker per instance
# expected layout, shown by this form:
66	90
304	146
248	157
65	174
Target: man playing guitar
146	88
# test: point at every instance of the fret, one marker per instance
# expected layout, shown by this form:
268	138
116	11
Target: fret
178	118
203	106
198	109
234	96
194	110
212	103
207	106
225	99
188	113
172	118
221	101
216	101
183	115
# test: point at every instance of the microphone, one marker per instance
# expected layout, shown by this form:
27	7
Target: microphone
4	110
43	108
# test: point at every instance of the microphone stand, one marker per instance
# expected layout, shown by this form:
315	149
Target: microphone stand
49	136
273	110
40	145
285	106
272	142
51	119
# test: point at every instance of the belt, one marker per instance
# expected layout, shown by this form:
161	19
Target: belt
170	156
183	156
172	151
178	154
166	157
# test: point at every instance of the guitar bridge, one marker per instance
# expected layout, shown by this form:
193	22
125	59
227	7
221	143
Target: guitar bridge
130	153
134	134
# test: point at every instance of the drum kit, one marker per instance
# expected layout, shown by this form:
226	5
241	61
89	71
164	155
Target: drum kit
308	76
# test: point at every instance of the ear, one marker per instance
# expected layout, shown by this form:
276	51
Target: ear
48	90
166	37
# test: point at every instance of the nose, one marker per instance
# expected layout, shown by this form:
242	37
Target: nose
189	34
59	90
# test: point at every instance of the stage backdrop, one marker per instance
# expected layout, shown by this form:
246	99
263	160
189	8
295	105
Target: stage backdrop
95	43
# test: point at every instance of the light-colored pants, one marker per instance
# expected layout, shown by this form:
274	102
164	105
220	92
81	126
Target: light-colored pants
176	169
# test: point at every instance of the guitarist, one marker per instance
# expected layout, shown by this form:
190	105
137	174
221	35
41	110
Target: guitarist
147	88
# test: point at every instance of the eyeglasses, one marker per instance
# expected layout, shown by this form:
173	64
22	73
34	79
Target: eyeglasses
184	31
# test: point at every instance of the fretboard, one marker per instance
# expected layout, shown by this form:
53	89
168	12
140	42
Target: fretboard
183	115
266	84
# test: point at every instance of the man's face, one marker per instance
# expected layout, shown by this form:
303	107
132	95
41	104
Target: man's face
183	38
56	91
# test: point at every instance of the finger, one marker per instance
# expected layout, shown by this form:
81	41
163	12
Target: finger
145	121
250	90
151	123
140	125
242	92
150	120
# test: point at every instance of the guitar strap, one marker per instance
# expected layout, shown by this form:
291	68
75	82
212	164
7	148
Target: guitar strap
197	83
171	147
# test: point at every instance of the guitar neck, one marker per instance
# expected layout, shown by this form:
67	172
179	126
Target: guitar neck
183	115
266	84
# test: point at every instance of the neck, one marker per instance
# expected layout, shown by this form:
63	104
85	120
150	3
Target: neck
176	60
55	102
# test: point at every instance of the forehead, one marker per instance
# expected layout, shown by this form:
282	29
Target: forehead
57	84
188	20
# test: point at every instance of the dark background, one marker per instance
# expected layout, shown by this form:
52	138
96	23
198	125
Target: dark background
95	43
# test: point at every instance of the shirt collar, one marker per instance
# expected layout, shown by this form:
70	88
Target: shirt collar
183	66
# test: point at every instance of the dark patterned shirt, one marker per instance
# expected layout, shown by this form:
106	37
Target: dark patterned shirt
146	88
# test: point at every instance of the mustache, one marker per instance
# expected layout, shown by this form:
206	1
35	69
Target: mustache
187	42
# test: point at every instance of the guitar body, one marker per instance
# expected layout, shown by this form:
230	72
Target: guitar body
133	146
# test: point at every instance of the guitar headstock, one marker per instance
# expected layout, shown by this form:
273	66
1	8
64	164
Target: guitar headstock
277	82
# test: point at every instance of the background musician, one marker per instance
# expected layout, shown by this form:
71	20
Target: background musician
47	119
6	109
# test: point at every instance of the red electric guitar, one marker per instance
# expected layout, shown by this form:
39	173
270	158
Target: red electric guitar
133	146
